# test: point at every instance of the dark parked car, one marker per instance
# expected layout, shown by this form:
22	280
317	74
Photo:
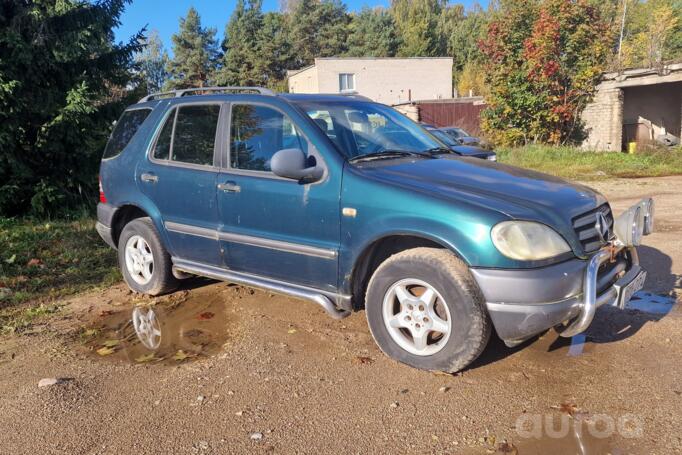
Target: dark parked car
460	136
349	204
464	150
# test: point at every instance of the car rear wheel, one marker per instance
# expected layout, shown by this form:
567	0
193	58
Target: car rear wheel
145	264
425	309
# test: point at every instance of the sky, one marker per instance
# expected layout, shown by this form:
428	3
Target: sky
164	15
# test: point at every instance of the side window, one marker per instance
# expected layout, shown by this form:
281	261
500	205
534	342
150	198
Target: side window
195	131
257	133
125	129
163	143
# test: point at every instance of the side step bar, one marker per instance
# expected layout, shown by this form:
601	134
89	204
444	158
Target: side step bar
246	279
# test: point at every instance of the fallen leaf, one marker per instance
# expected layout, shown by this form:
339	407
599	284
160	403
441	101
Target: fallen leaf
181	355
205	316
89	333
22	279
11	259
110	343
34	262
145	358
362	360
105	351
290	331
104	313
567	408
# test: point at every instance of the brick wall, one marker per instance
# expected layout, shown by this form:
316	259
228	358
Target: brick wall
603	121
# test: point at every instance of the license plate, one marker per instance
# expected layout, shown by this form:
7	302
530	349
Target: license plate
629	290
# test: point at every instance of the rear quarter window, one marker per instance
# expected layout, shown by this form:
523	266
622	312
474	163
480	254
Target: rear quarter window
125	129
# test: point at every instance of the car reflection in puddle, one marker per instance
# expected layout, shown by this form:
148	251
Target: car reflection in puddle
162	333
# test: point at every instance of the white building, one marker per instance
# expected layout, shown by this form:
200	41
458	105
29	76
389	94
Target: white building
385	80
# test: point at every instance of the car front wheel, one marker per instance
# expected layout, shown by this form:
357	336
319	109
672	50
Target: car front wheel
425	309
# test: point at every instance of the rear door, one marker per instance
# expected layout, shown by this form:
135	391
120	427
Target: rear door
180	178
272	226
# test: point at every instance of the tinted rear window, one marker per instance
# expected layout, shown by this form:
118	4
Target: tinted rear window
125	129
195	130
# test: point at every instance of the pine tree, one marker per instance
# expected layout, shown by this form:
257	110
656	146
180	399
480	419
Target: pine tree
275	55
195	53
241	45
318	29
61	74
152	61
372	34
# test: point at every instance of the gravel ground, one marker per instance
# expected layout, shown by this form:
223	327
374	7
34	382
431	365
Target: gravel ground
276	375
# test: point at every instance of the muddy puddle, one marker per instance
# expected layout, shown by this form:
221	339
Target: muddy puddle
167	332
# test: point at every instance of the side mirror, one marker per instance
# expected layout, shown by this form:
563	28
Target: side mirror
292	164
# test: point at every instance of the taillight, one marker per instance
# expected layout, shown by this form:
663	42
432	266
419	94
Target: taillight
102	197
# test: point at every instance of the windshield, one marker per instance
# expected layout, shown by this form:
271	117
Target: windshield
457	132
443	136
360	128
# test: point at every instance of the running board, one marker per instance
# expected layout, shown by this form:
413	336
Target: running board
246	279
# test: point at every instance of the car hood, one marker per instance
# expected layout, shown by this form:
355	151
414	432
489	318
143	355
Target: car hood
515	192
469	150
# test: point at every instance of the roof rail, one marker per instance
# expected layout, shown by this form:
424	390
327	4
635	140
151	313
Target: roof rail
187	91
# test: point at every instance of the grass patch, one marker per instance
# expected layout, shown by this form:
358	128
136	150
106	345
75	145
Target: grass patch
15	320
44	260
576	164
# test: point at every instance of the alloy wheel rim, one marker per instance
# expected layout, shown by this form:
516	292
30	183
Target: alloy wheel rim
416	317
139	260
147	327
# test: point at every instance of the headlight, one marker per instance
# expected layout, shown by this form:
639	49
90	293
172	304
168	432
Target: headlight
492	158
527	240
647	207
629	226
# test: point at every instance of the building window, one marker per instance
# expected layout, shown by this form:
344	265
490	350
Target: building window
346	82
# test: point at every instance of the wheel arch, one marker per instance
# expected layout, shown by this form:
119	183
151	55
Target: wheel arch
378	250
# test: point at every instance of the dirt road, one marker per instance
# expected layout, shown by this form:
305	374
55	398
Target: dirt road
275	375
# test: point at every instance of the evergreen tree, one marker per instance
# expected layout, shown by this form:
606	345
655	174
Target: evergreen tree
464	37
275	54
417	22
318	28
241	45
61	76
194	53
372	34
152	61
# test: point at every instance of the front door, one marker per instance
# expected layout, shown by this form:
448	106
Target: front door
180	178
272	226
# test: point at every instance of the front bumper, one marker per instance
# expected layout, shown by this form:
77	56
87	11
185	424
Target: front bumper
522	303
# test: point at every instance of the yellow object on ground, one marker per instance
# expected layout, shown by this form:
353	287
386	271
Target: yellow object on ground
632	147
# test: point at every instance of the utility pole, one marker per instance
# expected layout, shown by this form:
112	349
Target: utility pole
622	28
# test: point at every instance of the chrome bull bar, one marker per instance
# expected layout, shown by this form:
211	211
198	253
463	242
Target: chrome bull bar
592	301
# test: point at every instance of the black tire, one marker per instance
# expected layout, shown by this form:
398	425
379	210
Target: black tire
162	280
450	277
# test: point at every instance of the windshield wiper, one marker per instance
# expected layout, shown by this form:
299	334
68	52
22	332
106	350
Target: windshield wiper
387	154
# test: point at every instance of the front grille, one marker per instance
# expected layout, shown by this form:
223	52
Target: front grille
584	226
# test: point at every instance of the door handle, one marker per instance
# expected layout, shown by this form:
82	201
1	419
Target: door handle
150	178
229	187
